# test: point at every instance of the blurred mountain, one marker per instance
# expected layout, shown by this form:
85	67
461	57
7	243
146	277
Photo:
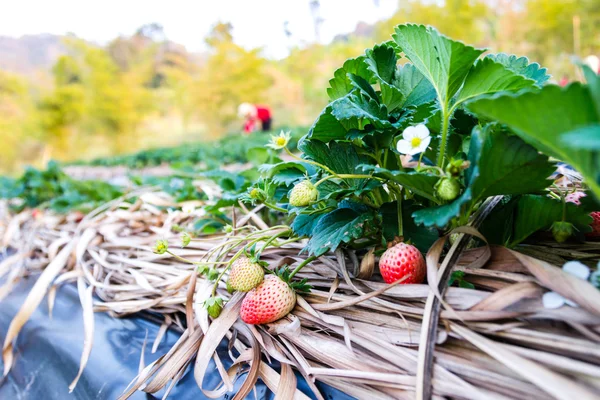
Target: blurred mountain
362	30
30	53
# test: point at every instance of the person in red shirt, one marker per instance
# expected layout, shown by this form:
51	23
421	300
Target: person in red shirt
254	114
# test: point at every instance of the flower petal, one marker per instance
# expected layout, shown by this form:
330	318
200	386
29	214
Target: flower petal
424	144
421	131
404	146
578	269
553	300
409	133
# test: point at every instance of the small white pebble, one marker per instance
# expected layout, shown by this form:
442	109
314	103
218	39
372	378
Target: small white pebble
553	300
577	269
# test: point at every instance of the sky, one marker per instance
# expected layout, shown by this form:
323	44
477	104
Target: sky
256	23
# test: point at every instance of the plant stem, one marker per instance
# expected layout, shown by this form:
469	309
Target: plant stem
347	176
272	239
445	123
400	224
302	265
310	162
274	207
185	260
420	159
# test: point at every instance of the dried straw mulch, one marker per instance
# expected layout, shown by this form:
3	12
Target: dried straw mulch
366	338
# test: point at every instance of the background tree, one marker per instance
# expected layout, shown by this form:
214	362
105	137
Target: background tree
231	75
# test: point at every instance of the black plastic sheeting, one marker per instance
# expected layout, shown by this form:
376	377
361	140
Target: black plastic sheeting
48	350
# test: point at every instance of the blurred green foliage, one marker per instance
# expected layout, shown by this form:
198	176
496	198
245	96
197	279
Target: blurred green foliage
144	91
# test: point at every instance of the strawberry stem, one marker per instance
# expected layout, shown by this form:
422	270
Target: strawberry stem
310	162
274	207
348	176
400	225
302	265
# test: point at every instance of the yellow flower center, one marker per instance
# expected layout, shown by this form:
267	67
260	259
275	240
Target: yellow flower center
415	142
280	141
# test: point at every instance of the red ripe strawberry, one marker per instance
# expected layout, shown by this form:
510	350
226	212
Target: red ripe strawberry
271	300
595	225
245	274
401	260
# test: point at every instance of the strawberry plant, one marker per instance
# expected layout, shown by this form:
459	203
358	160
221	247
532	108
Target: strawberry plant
419	131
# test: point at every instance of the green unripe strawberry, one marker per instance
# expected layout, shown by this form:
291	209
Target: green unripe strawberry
303	194
230	290
214	306
185	239
258	194
447	189
161	247
245	274
562	230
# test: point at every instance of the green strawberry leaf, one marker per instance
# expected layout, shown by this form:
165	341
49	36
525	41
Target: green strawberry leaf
327	127
304	224
364	86
381	61
509	166
413	86
587	137
257	155
593	81
340	85
541	118
340	157
419	183
339	226
358	107
487	77
440	216
521	66
534	213
444	62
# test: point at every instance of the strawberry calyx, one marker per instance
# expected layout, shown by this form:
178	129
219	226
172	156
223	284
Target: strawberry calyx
284	274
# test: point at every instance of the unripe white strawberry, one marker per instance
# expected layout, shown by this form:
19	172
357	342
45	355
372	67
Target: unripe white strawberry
245	274
303	194
447	189
562	230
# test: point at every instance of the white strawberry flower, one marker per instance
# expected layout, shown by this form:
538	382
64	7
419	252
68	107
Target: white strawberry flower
415	140
279	142
554	300
188	208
